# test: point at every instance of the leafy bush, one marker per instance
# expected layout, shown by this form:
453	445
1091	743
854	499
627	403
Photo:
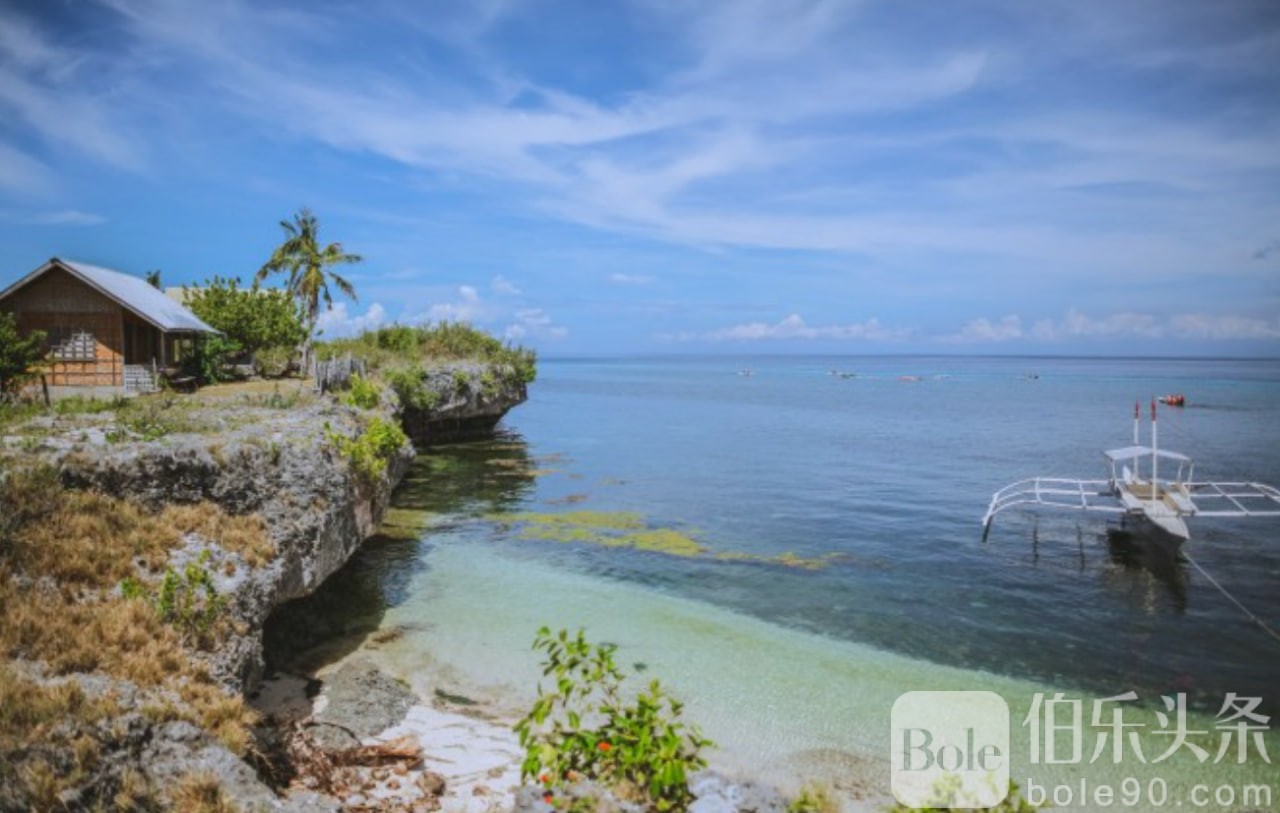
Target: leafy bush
446	341
582	728
253	318
274	362
363	393
409	385
813	799
189	602
20	357
372	450
212	355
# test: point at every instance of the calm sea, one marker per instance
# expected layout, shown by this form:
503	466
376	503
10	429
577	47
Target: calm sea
885	472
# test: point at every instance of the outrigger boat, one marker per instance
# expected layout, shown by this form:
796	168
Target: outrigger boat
1165	503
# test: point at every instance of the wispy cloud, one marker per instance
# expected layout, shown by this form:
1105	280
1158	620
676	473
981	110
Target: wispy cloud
503	286
984	330
65	217
794	327
339	323
1076	325
19	172
53	96
534	323
619	278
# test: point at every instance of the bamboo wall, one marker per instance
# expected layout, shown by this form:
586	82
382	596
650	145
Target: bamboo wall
85	329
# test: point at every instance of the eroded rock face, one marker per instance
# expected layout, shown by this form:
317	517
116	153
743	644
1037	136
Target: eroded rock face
468	399
280	465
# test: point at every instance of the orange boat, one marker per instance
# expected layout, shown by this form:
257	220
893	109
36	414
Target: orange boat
1174	400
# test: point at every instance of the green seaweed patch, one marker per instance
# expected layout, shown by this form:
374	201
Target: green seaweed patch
627	529
666	540
596	520
404	523
609	529
786	559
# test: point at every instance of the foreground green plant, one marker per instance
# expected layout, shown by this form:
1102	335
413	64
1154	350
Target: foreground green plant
372	450
363	393
20	356
187	601
583	729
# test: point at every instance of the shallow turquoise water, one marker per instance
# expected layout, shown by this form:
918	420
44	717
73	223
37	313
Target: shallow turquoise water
893	476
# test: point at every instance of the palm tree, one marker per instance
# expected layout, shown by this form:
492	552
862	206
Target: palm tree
153	279
309	269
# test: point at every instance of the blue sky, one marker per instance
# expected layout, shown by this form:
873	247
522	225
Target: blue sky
677	175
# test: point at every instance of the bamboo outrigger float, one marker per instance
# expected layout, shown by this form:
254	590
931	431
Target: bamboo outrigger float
1165	503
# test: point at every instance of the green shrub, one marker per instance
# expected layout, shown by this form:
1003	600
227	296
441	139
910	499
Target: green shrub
583	729
274	362
212	355
447	341
187	601
372	450
363	393
252	318
409	385
813	799
20	357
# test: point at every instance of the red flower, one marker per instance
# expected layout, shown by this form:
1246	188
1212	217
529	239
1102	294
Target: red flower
545	779
547	797
604	746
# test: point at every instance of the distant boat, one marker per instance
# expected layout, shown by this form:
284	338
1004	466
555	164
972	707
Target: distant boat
1178	400
1165	503
746	371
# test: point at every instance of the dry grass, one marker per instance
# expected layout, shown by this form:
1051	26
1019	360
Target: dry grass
62	555
45	724
89	539
200	793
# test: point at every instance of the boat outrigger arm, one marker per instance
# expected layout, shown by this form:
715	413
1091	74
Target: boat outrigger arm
1167	503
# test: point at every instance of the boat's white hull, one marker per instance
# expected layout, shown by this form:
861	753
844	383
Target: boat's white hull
1157	512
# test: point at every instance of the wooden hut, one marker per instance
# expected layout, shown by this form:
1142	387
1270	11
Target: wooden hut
107	332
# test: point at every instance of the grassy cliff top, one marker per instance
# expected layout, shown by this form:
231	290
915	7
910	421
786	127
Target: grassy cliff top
399	346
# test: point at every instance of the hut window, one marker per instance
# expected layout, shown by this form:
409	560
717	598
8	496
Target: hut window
69	344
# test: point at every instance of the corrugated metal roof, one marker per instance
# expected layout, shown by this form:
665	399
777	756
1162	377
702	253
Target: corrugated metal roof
132	292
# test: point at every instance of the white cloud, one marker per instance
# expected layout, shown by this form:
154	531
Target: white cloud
534	323
22	173
1076	325
502	285
337	323
630	279
984	330
1208	326
65	217
794	327
466	307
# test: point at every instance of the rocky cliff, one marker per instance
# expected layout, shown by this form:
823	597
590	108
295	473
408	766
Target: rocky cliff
460	400
310	474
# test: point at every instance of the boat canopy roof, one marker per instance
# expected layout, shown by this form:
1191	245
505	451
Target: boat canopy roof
1130	452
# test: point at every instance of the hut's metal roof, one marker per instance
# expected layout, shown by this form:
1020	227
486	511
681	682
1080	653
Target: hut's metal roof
129	291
